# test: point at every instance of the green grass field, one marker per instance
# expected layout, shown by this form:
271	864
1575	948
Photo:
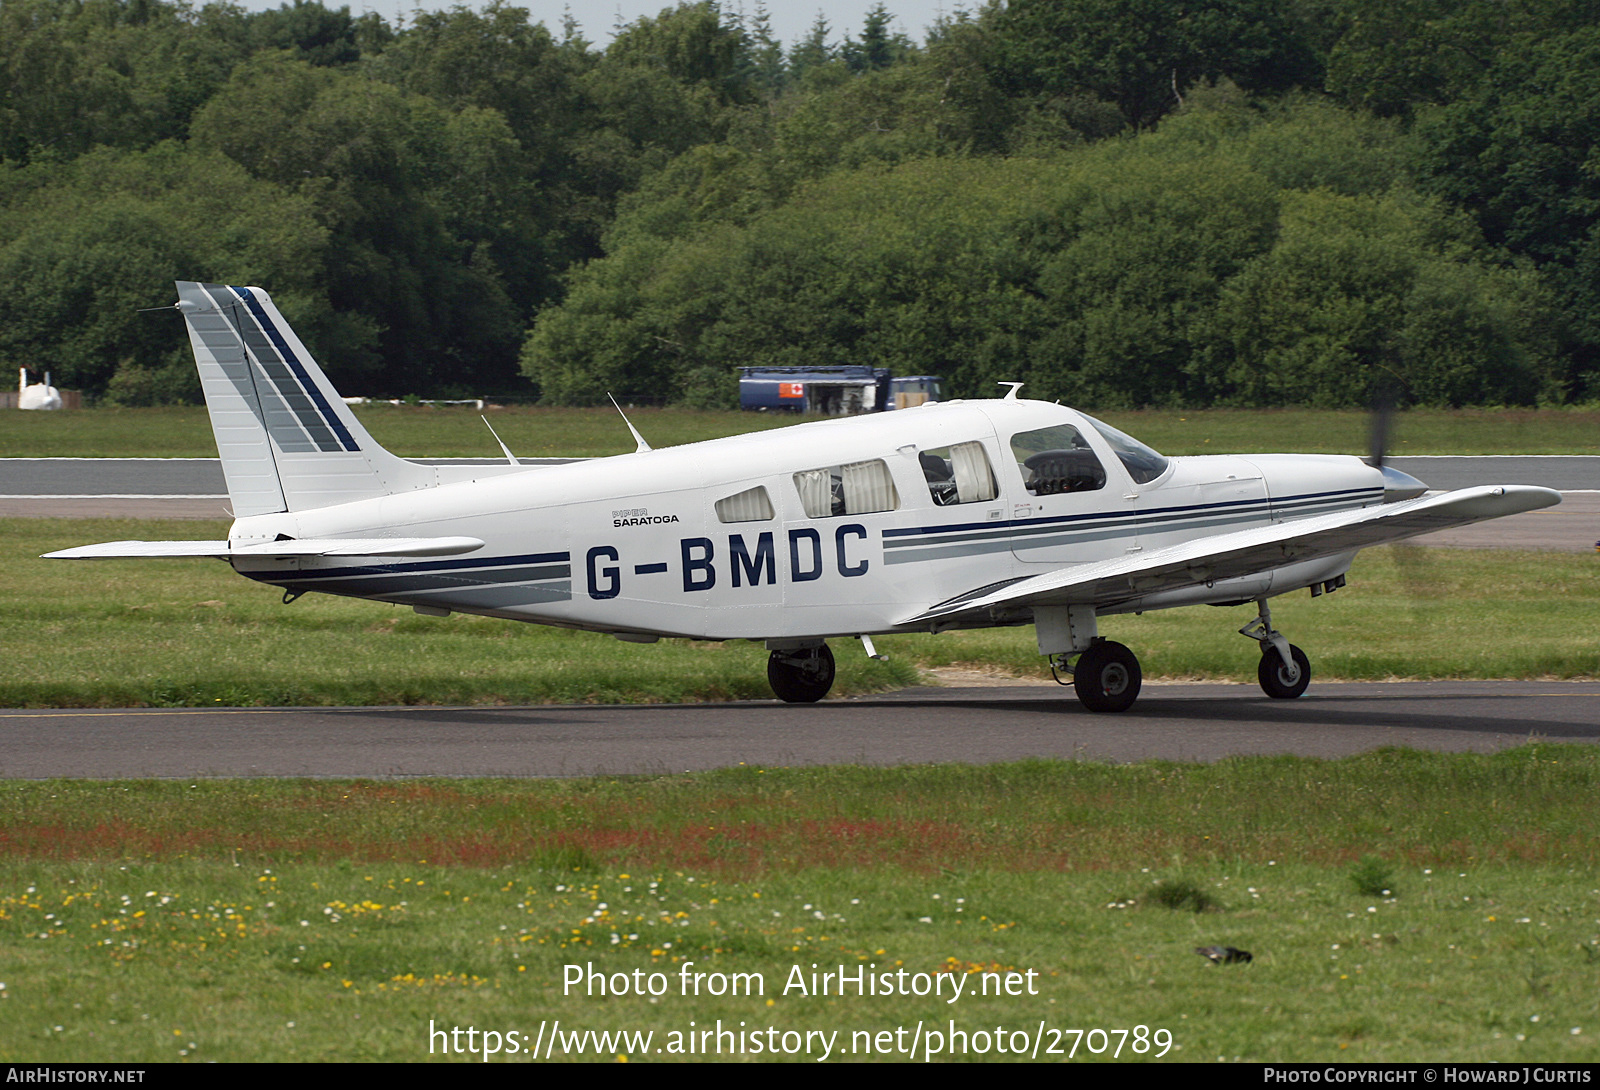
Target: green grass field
548	432
1418	907
114	633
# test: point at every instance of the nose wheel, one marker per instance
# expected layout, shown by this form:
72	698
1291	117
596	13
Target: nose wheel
1107	677
1284	671
1276	679
802	676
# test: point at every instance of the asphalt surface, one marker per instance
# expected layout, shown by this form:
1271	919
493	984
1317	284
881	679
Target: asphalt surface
924	725
154	477
1564	473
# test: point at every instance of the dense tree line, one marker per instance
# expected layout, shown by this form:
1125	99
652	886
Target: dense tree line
1122	202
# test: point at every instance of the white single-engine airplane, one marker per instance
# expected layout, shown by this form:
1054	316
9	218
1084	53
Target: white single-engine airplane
965	514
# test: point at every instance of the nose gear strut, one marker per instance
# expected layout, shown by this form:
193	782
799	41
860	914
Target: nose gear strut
1285	671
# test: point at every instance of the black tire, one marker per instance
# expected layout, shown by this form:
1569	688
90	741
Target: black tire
1107	677
1274	679
801	677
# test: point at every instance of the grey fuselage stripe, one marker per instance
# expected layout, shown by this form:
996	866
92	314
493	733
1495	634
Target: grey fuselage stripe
485	597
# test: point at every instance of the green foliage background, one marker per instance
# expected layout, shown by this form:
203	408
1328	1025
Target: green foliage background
1122	202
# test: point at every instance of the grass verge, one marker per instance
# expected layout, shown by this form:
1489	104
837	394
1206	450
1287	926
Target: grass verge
169	633
284	920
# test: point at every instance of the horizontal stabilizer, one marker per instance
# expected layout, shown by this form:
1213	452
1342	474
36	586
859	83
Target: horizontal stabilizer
112	549
1242	553
328	546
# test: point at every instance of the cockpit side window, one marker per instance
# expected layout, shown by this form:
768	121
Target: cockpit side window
751	505
856	488
1057	459
1143	464
958	474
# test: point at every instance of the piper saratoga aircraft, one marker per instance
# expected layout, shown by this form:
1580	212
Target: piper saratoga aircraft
962	514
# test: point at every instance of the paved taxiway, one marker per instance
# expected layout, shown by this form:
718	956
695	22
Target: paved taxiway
974	725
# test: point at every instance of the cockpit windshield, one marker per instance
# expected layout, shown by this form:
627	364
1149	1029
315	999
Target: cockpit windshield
1143	464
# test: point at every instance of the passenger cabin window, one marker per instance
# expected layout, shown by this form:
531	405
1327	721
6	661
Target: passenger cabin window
751	505
854	489
1057	459
958	474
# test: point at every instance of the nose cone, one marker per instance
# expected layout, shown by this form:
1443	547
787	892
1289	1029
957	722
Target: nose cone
1399	486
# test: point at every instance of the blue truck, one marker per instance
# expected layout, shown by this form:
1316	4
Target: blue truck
832	391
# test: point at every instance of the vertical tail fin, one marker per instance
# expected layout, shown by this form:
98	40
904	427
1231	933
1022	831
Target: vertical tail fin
286	439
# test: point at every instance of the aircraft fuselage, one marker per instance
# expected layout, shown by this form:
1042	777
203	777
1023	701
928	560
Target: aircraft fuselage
831	528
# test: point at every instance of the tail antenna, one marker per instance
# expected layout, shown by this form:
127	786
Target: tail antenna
637	438
512	458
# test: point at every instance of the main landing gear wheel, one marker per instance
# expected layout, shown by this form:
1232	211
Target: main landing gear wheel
1274	676
1107	677
801	677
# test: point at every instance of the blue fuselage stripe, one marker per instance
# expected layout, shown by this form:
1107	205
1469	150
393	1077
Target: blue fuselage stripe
426	567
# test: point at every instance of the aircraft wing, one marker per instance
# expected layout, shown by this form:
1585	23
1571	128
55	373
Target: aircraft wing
1243	552
329	546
